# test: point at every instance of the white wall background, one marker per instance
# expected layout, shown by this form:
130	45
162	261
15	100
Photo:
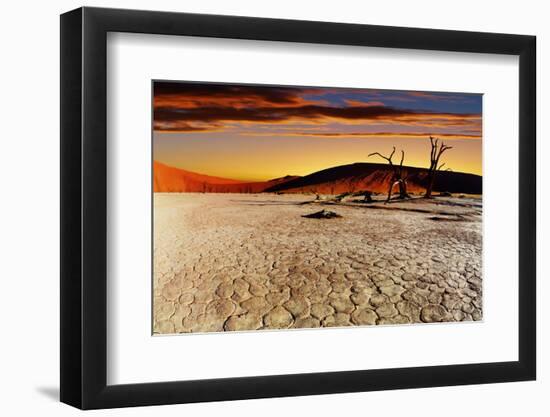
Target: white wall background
29	226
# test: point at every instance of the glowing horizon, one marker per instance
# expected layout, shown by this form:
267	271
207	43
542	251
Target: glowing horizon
257	133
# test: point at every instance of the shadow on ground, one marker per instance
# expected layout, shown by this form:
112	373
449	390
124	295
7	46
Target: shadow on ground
50	392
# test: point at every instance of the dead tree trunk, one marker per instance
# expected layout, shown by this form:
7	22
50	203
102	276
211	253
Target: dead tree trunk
402	178
398	178
316	193
368	197
392	183
435	155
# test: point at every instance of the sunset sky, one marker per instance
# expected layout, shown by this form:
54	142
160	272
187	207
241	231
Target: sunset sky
256	133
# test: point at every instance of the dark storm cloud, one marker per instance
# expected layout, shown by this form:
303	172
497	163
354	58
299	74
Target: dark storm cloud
207	115
189	107
184	93
277	114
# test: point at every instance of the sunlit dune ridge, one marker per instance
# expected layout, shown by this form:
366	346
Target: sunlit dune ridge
345	178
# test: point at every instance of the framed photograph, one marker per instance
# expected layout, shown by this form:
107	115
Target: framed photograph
257	208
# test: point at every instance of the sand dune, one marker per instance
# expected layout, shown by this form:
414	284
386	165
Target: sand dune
168	179
335	180
376	178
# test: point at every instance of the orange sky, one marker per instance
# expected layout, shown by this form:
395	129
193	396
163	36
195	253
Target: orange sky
261	132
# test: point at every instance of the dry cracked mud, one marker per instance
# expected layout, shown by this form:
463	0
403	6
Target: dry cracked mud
233	262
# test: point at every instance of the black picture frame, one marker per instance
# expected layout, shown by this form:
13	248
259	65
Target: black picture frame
84	207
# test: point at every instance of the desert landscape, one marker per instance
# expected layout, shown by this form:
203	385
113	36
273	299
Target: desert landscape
250	261
286	207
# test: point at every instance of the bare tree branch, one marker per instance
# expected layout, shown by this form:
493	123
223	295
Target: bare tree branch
437	149
387	158
397	175
380	155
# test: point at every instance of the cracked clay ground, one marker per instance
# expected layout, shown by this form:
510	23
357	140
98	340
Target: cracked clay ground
251	261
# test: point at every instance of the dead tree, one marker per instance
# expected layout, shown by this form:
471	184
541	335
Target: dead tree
398	174
317	196
435	155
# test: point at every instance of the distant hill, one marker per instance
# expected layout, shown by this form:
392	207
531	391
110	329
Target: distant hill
376	178
167	179
336	180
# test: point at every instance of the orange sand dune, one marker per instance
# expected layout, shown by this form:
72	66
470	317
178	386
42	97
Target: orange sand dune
376	177
167	179
335	180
